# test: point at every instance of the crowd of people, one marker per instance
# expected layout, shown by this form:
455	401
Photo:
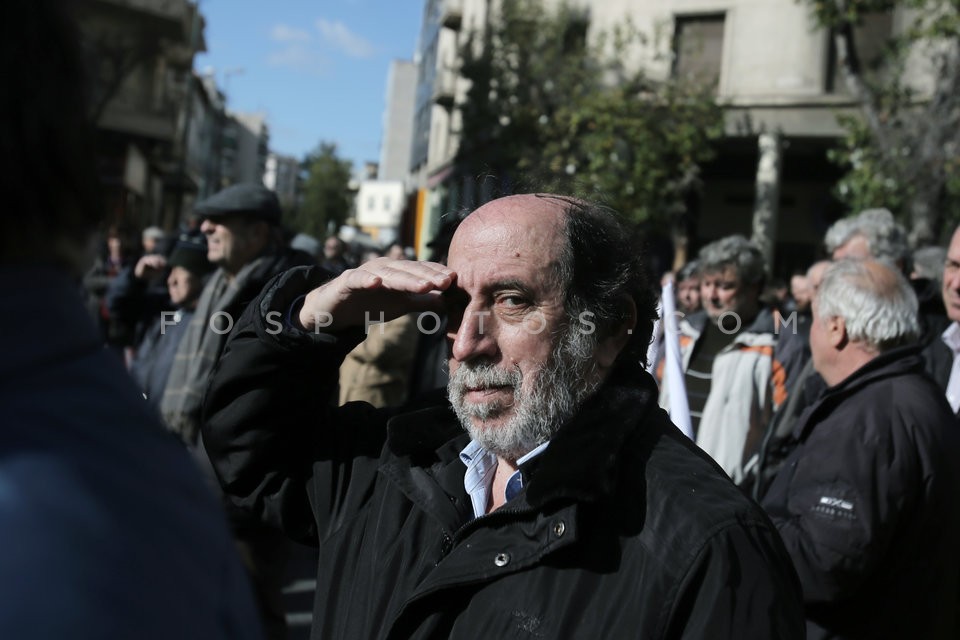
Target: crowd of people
840	417
477	444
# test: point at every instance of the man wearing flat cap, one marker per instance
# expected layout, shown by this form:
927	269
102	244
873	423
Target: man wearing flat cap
242	227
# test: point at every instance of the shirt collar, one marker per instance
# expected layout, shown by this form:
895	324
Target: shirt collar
481	466
475	454
951	337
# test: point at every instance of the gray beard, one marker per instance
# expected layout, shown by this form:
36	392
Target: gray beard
559	388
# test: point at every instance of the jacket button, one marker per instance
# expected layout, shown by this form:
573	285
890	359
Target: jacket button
501	559
559	528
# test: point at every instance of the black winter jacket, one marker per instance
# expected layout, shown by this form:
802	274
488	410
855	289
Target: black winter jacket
937	356
623	528
867	505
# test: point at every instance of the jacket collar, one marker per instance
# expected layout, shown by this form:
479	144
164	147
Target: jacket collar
892	363
762	323
581	461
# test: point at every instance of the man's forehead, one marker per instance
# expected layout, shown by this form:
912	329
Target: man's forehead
515	223
727	271
954	249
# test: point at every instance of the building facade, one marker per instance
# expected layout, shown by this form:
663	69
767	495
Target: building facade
398	116
775	72
140	57
282	176
248	136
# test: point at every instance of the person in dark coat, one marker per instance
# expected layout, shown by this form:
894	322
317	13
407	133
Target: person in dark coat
244	240
138	295
107	528
549	495
186	270
866	503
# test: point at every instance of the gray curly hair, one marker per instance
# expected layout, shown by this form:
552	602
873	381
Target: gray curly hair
886	238
735	251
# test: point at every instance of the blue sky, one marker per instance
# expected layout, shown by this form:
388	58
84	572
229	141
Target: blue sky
317	68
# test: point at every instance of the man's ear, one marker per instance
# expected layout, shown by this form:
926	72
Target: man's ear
260	232
837	332
610	347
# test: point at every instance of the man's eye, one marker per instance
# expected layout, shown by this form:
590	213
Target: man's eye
513	301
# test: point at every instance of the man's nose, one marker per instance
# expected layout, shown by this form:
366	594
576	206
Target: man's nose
473	337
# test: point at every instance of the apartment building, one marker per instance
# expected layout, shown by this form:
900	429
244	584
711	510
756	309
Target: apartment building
140	56
282	176
776	73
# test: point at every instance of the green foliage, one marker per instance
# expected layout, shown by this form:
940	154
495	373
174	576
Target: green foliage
871	181
327	200
902	154
547	106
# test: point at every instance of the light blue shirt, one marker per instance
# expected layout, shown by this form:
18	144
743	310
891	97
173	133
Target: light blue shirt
481	467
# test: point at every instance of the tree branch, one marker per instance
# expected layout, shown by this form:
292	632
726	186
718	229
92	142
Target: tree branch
852	69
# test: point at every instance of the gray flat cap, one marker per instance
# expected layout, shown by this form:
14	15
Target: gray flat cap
247	199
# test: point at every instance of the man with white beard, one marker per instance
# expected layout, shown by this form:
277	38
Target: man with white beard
548	496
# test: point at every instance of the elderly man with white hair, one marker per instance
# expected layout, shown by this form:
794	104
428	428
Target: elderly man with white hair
866	502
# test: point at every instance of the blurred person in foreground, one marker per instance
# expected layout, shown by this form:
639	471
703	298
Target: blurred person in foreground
107	529
866	502
548	494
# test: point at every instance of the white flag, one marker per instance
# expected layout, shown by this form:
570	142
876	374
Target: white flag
673	364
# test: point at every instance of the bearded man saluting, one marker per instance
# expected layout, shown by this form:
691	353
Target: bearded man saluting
547	494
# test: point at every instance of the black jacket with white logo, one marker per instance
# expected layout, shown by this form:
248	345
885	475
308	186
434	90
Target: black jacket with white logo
867	505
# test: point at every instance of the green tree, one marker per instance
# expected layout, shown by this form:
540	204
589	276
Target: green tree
547	104
327	200
902	152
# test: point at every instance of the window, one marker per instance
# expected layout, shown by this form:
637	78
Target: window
698	48
871	37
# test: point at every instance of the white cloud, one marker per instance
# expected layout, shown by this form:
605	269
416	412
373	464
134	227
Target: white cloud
284	33
296	56
338	35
